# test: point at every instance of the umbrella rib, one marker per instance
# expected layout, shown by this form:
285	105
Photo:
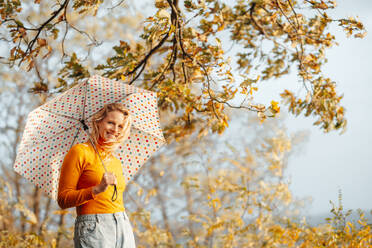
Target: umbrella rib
66	116
85	101
73	141
58	133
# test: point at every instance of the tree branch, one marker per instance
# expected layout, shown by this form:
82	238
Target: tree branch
32	42
145	59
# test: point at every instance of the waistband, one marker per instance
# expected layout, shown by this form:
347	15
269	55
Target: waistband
101	217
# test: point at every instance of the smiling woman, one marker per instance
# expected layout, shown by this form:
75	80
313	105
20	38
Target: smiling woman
90	177
111	125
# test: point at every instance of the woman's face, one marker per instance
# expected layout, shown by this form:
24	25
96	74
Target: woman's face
111	126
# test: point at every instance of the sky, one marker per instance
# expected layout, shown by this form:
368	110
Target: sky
331	162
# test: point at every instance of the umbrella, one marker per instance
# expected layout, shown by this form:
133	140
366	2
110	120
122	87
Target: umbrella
53	128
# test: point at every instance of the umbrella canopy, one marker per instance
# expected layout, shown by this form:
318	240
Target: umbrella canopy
53	128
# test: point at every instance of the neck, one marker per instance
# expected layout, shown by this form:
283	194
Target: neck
105	147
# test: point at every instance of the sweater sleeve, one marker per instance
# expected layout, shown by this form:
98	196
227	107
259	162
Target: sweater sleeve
72	167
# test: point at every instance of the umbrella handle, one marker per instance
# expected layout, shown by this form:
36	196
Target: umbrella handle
115	194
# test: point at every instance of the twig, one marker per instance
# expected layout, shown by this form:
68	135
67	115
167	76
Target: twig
119	3
64	36
144	60
162	73
32	42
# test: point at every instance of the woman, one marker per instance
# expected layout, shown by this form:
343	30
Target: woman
90	176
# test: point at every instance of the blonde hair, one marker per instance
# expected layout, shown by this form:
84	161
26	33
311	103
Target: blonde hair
100	115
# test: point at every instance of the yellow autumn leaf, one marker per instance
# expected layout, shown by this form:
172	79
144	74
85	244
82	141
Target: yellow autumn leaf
275	106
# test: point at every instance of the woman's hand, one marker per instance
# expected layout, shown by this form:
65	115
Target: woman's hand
107	179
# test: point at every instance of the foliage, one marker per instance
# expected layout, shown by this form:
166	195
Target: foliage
9	237
200	56
230	196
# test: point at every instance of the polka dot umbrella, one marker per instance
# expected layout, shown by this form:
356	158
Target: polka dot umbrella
53	128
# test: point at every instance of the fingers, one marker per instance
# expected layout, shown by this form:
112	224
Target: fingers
109	178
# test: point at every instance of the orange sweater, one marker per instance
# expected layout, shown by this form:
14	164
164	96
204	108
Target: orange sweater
81	170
